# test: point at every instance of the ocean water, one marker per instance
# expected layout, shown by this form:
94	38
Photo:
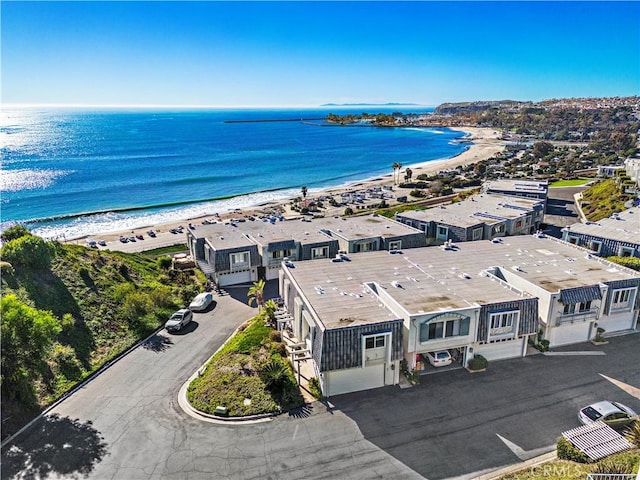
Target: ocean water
78	172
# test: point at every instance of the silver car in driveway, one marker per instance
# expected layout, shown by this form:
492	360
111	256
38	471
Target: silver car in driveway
201	302
178	320
614	414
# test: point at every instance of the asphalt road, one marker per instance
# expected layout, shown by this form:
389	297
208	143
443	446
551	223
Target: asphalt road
127	424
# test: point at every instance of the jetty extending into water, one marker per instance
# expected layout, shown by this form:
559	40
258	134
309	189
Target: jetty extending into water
266	120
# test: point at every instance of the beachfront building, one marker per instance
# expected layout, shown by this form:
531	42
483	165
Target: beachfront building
224	254
481	217
236	252
357	320
618	235
370	233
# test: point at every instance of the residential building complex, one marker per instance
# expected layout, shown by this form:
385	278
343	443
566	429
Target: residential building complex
359	319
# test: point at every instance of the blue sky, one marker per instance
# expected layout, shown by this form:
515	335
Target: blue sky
310	53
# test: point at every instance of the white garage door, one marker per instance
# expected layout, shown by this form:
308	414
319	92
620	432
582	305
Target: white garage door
235	278
354	379
617	323
500	350
568	333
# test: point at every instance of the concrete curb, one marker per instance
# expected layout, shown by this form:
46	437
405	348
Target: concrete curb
90	378
527	464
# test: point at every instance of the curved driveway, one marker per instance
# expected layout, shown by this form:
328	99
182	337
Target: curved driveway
127	424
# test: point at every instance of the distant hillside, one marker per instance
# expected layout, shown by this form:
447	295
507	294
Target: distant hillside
390	104
453	108
68	309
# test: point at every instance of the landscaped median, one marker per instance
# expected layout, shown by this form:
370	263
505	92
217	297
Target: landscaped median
250	375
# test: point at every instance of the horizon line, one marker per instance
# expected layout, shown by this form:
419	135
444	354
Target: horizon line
196	106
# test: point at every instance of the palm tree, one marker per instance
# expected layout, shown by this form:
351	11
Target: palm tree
304	191
396	168
255	293
408	173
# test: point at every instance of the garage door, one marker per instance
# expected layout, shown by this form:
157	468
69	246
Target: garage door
617	323
500	350
568	333
235	278
354	379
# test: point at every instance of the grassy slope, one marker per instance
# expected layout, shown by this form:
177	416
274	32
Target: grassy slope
114	299
602	200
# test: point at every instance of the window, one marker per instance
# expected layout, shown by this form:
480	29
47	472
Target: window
376	348
477	234
584	306
625	252
622	298
572	240
375	342
395	245
281	253
444	329
442	233
503	319
364	247
595	246
319	252
577	307
518	223
239	259
498	228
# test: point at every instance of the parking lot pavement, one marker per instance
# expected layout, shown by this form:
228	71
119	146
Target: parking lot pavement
455	424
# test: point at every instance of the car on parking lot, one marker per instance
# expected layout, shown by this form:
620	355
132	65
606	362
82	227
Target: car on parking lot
614	414
441	358
178	320
201	302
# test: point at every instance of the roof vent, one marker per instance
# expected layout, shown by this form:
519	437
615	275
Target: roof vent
517	268
466	276
396	284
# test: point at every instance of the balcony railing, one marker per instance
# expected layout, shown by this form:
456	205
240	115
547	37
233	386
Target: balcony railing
577	316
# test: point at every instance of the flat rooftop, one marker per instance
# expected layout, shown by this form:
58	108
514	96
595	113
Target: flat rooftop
483	208
221	236
308	231
431	279
531	186
625	227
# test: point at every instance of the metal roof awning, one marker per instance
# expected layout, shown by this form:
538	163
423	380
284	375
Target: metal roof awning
580	294
597	440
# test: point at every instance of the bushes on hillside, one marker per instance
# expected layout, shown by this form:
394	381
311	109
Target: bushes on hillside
27	251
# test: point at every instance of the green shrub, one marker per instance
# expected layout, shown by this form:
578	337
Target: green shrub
478	362
278	348
27	251
275	336
14	232
620	463
629	262
348	211
164	263
566	451
314	388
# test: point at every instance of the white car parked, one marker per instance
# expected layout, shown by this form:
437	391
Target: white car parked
178	320
201	302
441	358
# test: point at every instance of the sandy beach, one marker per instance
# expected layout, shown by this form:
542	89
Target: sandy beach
486	143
